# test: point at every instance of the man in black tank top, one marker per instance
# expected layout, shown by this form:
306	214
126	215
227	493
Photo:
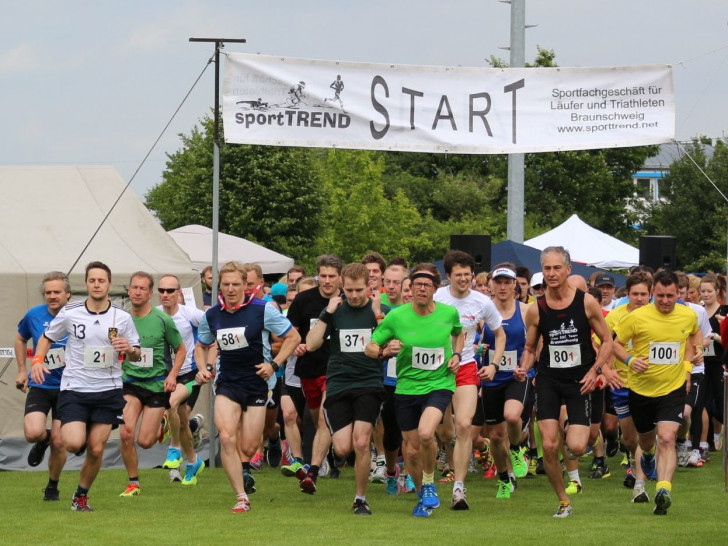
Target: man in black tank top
567	368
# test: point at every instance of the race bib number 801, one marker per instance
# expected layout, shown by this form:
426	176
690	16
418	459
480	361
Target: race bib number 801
565	356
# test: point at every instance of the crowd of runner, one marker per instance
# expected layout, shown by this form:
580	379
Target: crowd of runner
410	380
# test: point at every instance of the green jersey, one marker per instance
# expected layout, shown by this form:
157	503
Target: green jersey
158	337
426	347
351	329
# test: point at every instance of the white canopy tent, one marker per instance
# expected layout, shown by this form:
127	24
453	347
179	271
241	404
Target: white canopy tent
47	217
196	241
588	245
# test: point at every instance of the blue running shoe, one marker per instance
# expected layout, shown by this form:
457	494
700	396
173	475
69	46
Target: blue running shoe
648	464
409	484
663	501
420	511
174	458
192	471
429	496
392	486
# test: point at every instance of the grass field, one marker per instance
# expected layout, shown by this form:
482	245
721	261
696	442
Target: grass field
171	514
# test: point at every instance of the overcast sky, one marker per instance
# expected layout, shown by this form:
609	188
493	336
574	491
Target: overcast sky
94	82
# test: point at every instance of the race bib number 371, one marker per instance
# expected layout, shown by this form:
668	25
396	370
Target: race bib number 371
354	341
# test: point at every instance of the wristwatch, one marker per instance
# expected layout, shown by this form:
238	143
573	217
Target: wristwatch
460	357
497	368
598	369
274	364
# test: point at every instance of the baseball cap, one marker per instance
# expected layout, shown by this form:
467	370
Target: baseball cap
504	272
603	280
279	289
537	279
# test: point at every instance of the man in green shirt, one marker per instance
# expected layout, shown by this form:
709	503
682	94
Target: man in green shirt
147	383
428	337
354	391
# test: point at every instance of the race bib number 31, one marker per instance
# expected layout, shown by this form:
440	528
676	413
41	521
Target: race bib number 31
98	357
664	352
354	341
508	362
565	356
229	339
427	359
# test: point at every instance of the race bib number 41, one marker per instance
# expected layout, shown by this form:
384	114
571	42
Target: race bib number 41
55	358
229	339
565	356
664	352
354	341
427	359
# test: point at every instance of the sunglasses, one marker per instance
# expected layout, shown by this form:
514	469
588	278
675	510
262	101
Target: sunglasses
167	290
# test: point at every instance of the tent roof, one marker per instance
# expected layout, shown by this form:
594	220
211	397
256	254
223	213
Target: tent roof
588	245
197	242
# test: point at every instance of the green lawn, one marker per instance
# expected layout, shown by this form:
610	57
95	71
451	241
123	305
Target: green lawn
171	514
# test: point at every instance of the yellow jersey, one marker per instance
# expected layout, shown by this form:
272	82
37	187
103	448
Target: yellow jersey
660	340
613	318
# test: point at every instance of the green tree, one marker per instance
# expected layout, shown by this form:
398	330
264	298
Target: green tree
692	210
269	195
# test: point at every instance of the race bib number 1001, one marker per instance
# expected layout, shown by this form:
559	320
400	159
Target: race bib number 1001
427	359
664	352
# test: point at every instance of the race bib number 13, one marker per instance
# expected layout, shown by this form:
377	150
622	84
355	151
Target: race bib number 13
427	359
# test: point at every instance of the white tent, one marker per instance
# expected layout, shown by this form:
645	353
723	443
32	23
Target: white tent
588	245
196	241
47	217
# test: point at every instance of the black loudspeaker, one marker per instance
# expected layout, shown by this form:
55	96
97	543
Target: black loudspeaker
478	246
658	251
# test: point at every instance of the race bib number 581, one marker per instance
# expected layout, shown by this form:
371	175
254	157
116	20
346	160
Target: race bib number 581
229	339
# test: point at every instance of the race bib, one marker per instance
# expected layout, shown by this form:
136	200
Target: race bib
710	349
664	352
312	323
392	368
427	359
98	357
565	356
55	358
229	339
508	362
147	359
354	341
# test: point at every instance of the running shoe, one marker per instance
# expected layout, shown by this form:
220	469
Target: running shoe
513	483
307	485
639	495
564	511
574	487
447	476
392	487
38	451
51	494
718	442
429	496
504	490
132	490
694	459
409	484
532	466
293	469
175	475
79	503
612	446
248	482
540	470
199	420
599	470
490	473
257	461
683	453
704	454
624	463
379	474
420	511
663	501
164	431
192	471
274	453
442	460
459	502
287	456
361	508
648	464
174	458
243	505
518	462
629	479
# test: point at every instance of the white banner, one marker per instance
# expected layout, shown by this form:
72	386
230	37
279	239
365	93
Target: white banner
298	102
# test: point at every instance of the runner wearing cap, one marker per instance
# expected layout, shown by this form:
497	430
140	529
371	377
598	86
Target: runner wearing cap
537	286
605	283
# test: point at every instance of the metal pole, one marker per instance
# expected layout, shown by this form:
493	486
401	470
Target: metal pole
219	43
516	162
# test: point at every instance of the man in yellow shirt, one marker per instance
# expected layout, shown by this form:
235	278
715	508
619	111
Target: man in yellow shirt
664	337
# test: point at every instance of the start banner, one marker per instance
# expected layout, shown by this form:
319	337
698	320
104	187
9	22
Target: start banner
298	102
